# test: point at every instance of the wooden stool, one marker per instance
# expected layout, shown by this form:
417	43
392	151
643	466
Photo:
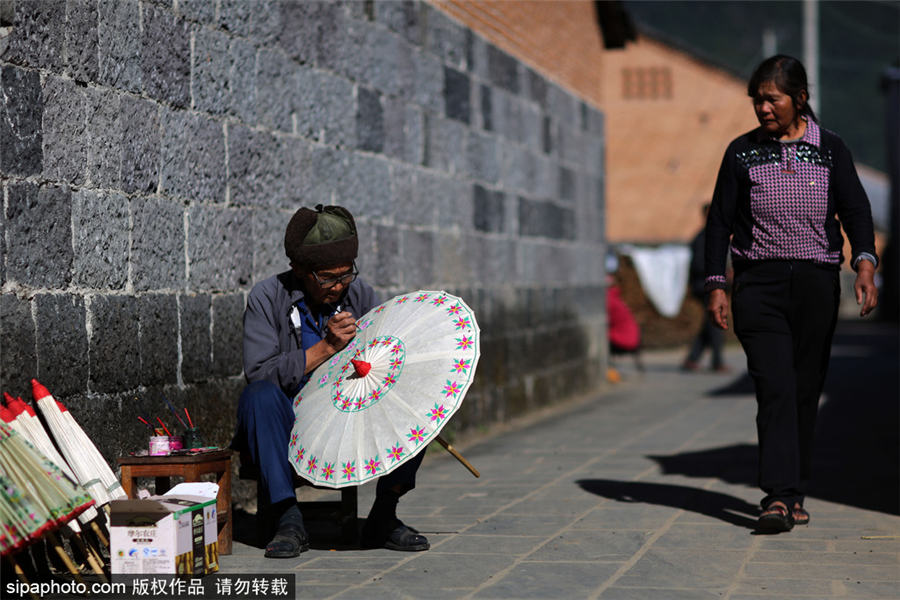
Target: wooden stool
190	467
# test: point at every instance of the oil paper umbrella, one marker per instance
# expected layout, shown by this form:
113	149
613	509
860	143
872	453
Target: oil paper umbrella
35	496
384	397
77	448
22	418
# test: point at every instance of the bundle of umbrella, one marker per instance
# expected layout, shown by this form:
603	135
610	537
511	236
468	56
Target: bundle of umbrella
51	485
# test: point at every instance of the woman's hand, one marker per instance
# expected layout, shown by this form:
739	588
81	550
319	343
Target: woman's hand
717	307
866	292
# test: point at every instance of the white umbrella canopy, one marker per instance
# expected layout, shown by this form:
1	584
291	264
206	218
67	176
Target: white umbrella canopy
89	466
383	398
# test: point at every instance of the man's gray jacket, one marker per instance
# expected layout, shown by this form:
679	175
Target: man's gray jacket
271	349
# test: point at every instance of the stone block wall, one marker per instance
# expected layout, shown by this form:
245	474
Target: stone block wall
151	153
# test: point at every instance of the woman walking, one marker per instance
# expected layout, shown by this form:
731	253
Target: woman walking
779	193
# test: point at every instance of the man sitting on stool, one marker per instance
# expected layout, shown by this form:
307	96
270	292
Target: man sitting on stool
295	321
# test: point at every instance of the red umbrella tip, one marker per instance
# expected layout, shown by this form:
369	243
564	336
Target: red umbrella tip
38	390
7	397
6	414
361	367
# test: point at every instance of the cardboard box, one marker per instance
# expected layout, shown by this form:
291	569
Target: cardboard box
171	534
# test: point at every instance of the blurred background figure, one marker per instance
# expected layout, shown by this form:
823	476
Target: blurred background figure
709	335
623	330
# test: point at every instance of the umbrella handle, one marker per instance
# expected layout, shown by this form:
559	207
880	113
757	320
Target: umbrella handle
457	456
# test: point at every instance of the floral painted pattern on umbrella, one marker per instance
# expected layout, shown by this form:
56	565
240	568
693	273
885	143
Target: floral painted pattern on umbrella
416	434
395	452
373	465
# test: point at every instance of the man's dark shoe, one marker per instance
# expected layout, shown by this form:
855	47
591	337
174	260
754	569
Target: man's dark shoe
401	537
289	541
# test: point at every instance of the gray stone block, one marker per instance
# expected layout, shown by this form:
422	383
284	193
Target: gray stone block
140	145
536	88
409	206
532	126
546	177
38	35
81	40
446	38
453	198
100	221
165	56
196	338
386	257
227	331
104	127
482	157
571	146
488	210
20	122
18	359
370	134
39	234
566	184
404	131
211	69
563	106
259	20
340	41
548	135
212	230
119	44
242	80
545	219
417	259
157	244
457	95
515	162
193	157
62	343
64	131
387	63
158	320
302	25
429	82
115	363
326	110
455	259
445	144
402	17
268	241
365	186
202	11
265	170
595	154
487	108
503	69
277	80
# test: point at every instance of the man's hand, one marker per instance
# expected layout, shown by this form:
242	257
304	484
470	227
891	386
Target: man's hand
717	307
340	329
866	292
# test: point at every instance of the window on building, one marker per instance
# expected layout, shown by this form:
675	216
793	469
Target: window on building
647	83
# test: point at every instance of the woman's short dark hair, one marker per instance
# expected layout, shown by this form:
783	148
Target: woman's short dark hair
789	77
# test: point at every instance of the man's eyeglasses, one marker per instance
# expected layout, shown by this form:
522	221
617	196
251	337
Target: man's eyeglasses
345	279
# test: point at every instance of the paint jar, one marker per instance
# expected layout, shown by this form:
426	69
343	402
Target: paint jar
159	445
163	445
192	438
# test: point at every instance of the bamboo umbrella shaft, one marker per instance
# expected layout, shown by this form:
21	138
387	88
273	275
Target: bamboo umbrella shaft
21	575
91	556
54	541
458	456
99	533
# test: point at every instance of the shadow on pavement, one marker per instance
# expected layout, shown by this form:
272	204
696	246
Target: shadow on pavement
857	449
713	504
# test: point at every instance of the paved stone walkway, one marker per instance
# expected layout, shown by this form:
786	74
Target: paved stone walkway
645	492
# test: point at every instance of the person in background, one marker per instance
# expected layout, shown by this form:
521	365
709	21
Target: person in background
779	190
295	321
709	335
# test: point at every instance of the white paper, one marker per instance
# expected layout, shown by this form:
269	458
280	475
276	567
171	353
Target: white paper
206	489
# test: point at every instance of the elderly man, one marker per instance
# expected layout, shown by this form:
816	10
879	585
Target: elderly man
295	321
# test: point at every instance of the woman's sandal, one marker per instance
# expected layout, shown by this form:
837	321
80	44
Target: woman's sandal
801	517
775	517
